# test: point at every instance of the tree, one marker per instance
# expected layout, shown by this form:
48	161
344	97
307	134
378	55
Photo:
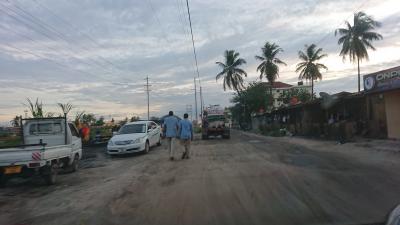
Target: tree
88	118
269	66
65	108
231	73
123	122
78	118
15	122
356	39
302	95
36	108
309	68
134	118
251	100
100	121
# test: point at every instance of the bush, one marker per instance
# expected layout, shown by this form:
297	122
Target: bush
197	129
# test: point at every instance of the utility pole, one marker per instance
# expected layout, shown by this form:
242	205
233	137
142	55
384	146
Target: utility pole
195	98
148	97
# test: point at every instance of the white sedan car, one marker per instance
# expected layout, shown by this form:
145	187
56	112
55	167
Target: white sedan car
135	137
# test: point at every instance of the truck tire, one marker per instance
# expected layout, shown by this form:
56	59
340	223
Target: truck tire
74	165
50	174
226	136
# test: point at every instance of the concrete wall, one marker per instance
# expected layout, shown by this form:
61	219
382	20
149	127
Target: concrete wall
392	105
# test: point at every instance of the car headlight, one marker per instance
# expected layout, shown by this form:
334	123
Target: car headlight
137	140
110	143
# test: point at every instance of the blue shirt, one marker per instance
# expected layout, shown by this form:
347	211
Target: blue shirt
171	125
185	129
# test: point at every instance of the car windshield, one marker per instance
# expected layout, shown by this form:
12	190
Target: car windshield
133	128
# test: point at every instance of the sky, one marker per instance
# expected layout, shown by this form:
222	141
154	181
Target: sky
96	54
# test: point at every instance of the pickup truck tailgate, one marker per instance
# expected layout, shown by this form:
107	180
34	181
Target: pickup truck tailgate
16	156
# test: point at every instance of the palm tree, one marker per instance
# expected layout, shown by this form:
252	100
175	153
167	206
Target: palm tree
232	74
269	66
15	122
309	68
65	108
35	108
357	39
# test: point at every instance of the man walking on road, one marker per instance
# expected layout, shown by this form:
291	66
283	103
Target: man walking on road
170	127
186	135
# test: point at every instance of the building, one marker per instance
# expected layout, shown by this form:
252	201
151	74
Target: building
374	112
383	100
278	88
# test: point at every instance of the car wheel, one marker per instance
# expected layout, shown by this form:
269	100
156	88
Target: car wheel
147	147
159	141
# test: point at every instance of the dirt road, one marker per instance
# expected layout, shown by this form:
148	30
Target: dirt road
245	180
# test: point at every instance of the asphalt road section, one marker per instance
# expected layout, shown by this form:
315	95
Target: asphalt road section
245	180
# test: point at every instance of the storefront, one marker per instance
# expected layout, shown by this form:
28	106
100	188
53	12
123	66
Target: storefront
383	91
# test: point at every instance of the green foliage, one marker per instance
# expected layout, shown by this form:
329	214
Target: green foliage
65	108
356	39
251	100
302	95
88	118
269	67
10	141
36	108
134	118
231	73
100	121
15	122
309	68
197	129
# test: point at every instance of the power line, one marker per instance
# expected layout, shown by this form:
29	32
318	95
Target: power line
195	56
45	27
39	56
88	37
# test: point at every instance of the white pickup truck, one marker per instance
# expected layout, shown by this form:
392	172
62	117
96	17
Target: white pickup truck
49	144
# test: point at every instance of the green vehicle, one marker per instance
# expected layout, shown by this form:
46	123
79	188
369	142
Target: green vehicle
215	124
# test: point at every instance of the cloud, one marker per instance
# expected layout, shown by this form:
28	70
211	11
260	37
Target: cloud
107	48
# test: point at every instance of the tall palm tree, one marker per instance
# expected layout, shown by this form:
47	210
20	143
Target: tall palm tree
356	39
35	108
269	66
65	107
309	68
231	73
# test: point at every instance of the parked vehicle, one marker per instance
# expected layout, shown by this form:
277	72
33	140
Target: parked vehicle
49	144
135	137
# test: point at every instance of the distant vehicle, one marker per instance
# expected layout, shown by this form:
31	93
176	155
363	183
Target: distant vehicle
135	137
215	123
48	145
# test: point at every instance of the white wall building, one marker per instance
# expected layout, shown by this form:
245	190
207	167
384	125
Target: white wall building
279	88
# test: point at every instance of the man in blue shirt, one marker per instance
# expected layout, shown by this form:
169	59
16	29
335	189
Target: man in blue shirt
170	127
186	134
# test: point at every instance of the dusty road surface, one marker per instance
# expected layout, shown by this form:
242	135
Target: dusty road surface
245	180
